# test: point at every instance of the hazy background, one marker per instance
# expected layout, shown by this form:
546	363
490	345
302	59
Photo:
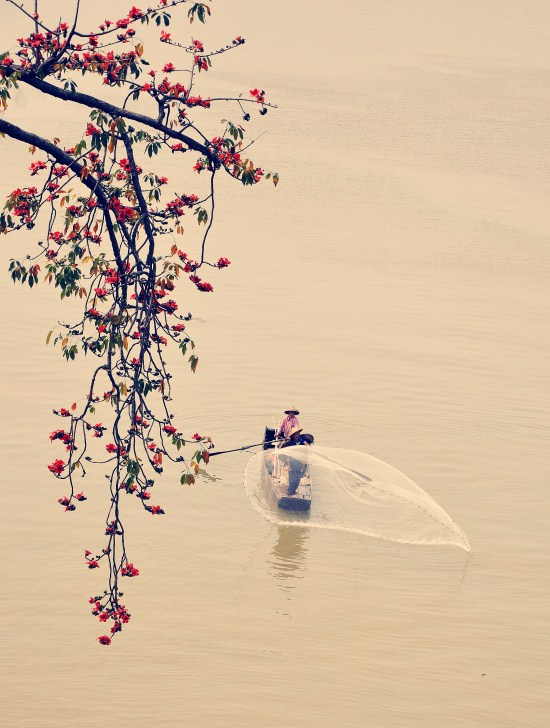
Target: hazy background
394	288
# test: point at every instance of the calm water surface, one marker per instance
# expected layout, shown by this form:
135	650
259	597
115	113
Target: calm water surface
394	287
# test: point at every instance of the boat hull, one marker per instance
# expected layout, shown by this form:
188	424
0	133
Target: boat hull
277	472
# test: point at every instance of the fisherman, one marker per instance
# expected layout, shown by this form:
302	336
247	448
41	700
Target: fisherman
294	438
288	423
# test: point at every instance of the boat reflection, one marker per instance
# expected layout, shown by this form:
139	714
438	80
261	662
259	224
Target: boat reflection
289	553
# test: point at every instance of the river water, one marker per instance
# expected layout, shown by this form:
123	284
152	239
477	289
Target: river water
394	288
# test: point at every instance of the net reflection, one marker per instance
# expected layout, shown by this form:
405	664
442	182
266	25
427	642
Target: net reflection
288	554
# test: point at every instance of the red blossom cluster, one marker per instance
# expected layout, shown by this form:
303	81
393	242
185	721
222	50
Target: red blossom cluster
118	615
176	206
98	429
130	276
127	167
169	306
65	438
155	510
118	449
226	152
57	467
201	285
113	528
258	95
23	203
129	570
197	101
174	90
201	62
39	45
67	503
122	212
35	167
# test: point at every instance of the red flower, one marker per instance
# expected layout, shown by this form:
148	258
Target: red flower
104	640
169	429
258	95
155	510
36	167
168	68
92	564
170	306
91	130
129	570
57	467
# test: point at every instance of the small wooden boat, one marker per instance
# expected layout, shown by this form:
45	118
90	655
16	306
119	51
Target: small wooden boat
281	471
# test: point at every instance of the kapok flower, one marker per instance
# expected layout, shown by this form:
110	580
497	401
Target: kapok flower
129	570
155	510
57	467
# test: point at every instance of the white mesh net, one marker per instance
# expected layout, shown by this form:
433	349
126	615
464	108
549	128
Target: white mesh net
349	491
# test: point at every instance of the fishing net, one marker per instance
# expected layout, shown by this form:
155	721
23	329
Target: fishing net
349	491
